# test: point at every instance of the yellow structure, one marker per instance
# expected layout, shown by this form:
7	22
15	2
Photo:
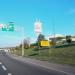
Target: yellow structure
45	43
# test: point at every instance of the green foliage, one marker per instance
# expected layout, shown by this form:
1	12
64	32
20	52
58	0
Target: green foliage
65	55
68	39
40	37
34	44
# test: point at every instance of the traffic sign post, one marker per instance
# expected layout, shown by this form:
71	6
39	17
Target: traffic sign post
22	41
38	30
11	27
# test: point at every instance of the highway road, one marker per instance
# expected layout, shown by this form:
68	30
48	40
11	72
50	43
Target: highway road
2	70
10	66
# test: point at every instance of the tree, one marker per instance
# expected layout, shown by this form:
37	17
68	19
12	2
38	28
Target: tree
68	39
25	43
33	45
40	38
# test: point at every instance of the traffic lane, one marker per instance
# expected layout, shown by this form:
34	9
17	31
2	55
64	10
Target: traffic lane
3	70
20	68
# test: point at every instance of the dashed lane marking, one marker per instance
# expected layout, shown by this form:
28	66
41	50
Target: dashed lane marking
9	74
4	68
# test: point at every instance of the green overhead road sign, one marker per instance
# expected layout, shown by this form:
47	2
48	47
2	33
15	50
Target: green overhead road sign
4	28
9	27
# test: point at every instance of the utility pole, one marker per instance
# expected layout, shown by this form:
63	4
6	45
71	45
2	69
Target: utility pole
22	41
53	29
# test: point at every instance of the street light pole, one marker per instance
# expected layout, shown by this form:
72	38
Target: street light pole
54	34
22	41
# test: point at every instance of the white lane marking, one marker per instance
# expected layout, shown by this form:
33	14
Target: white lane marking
9	74
0	63
4	68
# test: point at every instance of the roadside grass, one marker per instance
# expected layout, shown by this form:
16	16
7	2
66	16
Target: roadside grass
17	52
40	54
65	55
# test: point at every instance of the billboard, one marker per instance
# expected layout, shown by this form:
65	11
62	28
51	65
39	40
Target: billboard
38	27
45	43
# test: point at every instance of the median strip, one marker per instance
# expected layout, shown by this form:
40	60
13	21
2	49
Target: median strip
0	63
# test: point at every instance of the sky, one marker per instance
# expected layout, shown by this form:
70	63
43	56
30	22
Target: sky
56	16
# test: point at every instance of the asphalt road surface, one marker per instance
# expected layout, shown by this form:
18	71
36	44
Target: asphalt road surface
10	66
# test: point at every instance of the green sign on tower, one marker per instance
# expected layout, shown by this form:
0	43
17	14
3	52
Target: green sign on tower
4	28
9	27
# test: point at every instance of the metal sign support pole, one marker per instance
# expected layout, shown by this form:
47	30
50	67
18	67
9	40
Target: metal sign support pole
22	41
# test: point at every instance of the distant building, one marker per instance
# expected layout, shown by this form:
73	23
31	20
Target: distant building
59	39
